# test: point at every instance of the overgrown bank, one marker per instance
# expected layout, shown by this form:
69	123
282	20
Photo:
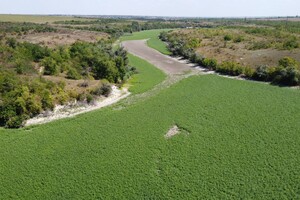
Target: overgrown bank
27	71
287	71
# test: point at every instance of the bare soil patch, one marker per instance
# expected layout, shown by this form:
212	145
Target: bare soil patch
62	37
172	132
76	108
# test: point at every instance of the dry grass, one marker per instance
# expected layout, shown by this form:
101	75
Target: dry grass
214	46
63	37
75	85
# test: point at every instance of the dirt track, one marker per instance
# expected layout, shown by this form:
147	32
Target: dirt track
165	63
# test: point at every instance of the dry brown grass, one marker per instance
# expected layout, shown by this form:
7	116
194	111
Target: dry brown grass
62	37
214	46
75	85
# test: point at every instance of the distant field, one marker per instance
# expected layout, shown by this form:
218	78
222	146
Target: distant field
153	42
148	75
241	141
36	18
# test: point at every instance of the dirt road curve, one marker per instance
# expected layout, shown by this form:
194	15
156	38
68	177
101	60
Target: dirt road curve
166	63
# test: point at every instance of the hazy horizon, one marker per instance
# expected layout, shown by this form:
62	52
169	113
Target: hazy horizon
164	8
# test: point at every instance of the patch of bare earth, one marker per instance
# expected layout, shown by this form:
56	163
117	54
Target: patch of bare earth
76	108
172	132
62	37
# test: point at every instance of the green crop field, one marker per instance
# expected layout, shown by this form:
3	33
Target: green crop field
240	140
36	18
153	42
147	77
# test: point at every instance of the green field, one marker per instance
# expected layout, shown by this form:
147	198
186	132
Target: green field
147	77
153	42
35	18
243	143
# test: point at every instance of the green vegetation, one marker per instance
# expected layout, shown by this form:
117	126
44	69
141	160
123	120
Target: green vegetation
242	143
153	42
147	75
287	71
25	93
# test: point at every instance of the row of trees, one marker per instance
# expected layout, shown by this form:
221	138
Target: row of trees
286	73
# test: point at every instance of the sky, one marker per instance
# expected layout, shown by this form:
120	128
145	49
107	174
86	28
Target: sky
183	8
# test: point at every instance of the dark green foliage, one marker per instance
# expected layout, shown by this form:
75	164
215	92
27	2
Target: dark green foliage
24	67
50	66
21	99
228	37
291	43
11	42
230	68
260	45
288	62
73	74
209	63
287	76
89	98
287	73
23	28
261	73
100	59
238	39
104	90
135	26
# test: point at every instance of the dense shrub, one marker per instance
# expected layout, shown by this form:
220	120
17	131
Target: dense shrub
261	73
260	45
209	63
291	43
50	66
228	37
288	62
73	74
238	39
104	90
230	68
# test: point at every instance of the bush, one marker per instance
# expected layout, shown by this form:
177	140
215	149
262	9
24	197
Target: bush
288	62
287	76
260	45
261	73
104	90
73	74
228	37
249	72
89	98
238	39
12	42
209	63
291	43
230	68
50	66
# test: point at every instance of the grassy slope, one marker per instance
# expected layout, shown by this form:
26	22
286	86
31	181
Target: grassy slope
153	42
243	143
147	77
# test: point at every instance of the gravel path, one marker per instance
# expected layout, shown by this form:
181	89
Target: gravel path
166	63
